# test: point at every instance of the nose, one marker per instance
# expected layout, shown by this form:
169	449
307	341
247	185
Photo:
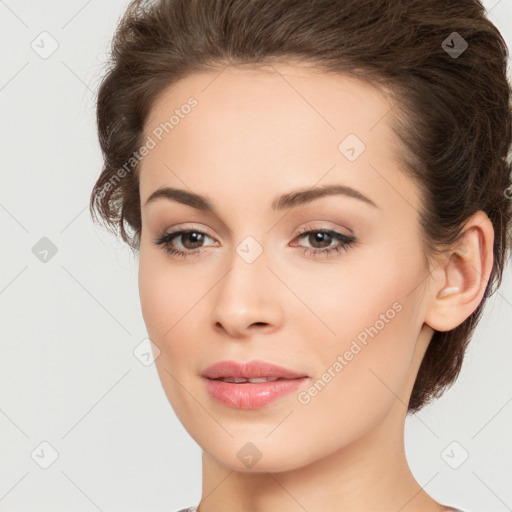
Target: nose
247	299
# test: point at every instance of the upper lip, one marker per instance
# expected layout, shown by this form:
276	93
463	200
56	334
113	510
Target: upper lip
249	370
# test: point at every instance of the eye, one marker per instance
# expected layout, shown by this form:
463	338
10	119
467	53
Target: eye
190	242
321	240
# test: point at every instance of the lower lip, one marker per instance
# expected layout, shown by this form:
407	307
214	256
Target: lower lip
249	395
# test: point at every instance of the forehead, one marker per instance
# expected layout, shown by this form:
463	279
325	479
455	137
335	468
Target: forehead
325	101
280	125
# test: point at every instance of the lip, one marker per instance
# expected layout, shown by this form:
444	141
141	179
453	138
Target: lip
250	395
249	370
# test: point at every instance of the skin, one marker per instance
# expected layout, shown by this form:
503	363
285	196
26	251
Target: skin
254	135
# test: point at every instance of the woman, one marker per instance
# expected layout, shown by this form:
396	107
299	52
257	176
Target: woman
318	193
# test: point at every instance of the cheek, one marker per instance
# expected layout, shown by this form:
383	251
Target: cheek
368	318
359	373
161	293
166	304
172	300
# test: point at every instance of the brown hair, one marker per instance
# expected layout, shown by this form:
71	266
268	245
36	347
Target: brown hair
452	110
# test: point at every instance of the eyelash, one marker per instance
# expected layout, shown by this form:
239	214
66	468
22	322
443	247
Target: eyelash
346	242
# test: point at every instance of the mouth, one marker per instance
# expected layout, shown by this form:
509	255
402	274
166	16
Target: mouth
249	371
240	393
254	380
251	385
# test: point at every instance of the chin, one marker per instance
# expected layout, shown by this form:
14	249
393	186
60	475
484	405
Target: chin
245	456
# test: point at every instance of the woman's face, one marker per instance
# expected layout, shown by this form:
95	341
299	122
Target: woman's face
343	307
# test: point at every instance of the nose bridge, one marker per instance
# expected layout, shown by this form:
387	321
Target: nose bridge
247	293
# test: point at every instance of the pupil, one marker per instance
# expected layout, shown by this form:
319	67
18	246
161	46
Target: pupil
321	238
195	237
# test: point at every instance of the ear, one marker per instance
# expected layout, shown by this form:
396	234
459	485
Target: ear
460	280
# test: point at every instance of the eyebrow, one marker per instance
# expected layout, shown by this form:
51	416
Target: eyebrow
283	202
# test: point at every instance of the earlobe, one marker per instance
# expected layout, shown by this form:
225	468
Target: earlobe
463	276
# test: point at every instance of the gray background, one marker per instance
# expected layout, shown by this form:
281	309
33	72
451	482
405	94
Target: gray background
68	373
